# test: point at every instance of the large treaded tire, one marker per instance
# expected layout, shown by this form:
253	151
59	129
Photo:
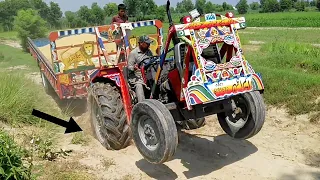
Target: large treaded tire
157	123
105	103
256	118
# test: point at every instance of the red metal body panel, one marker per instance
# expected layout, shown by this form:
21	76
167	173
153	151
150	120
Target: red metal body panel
175	81
143	75
186	72
125	92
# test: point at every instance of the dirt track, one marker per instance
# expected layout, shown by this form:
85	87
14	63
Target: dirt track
286	148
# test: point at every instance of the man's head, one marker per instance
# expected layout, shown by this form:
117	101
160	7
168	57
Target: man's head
144	43
121	10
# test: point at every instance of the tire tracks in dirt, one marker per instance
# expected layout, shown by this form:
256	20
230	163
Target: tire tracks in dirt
277	152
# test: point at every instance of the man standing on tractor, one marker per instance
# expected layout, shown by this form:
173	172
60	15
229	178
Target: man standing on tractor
135	57
121	17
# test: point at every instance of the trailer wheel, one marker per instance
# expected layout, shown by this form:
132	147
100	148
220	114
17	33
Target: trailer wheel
46	85
154	131
108	118
248	118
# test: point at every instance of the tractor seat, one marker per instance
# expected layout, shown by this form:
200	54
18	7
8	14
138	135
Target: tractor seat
211	53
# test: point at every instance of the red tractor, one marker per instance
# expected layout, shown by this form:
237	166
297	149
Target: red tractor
207	75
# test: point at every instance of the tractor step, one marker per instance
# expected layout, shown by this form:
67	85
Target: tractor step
171	106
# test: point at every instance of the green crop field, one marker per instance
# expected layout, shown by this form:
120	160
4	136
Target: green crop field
279	19
289	63
283	19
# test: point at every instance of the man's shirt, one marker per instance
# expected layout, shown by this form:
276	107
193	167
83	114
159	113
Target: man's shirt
136	56
118	19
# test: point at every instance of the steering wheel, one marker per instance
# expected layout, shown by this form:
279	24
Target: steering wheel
151	59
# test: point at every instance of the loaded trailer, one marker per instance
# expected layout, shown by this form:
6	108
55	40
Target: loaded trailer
69	59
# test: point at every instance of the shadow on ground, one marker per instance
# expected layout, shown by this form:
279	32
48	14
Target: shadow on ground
201	156
312	158
157	171
301	175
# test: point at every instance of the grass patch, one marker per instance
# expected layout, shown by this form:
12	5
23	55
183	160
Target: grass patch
10	35
10	57
80	138
19	94
66	170
315	118
267	35
18	97
294	55
288	81
107	162
74	176
11	163
128	177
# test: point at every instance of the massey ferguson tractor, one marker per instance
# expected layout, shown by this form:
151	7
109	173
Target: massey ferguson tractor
207	75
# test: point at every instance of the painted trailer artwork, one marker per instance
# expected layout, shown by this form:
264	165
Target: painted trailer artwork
69	59
81	53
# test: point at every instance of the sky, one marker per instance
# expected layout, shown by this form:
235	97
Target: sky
73	5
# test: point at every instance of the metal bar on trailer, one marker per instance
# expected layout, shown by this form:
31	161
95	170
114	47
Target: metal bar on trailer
41	57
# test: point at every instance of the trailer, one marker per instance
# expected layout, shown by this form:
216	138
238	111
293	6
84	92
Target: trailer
69	59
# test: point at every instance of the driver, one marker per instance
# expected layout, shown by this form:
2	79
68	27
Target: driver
136	56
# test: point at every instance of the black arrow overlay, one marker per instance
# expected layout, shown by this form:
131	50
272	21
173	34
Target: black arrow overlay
70	126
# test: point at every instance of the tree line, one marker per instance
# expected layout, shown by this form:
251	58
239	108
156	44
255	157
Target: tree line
137	10
51	12
33	18
269	6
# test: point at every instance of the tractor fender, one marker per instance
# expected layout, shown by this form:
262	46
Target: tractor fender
108	74
115	77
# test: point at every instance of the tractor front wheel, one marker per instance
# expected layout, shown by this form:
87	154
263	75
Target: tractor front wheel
154	131
108	118
248	117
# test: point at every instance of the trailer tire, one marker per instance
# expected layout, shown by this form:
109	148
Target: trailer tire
46	84
108	118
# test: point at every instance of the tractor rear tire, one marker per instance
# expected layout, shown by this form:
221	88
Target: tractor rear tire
154	131
253	105
108	118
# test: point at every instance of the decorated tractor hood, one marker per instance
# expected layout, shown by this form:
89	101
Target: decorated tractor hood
212	81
